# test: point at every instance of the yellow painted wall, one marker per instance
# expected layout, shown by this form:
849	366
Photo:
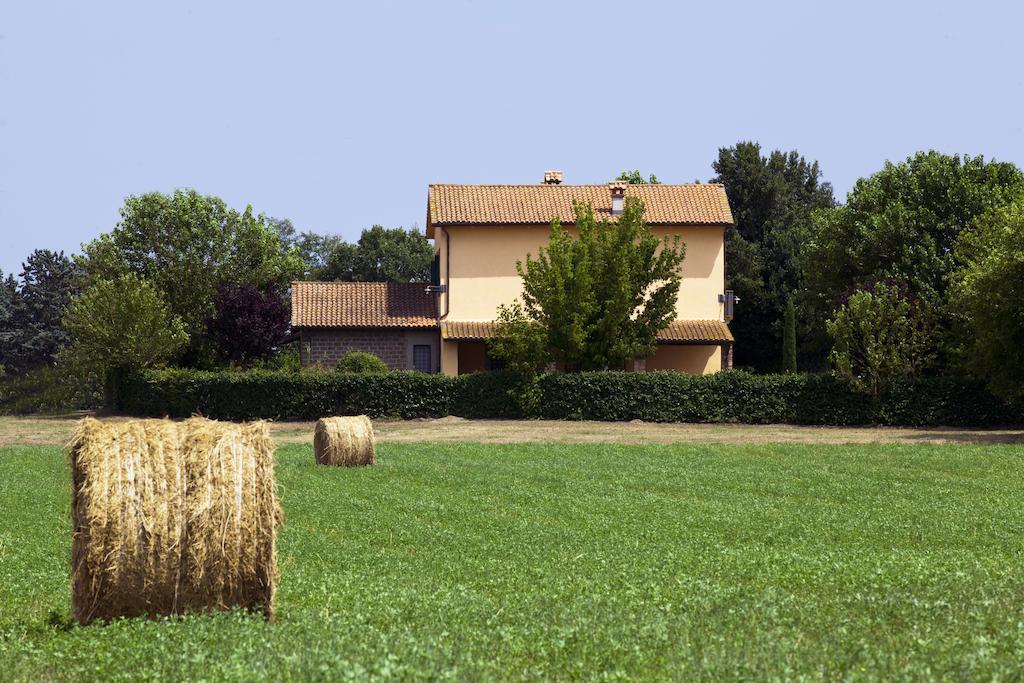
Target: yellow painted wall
483	275
461	358
693	359
449	357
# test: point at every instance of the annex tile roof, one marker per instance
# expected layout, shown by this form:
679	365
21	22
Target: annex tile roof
459	330
690	331
449	205
362	304
677	332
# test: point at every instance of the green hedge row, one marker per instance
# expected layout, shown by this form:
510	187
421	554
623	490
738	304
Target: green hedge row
764	399
42	390
653	397
235	395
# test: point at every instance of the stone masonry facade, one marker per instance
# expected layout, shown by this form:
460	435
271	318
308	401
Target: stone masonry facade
325	348
393	346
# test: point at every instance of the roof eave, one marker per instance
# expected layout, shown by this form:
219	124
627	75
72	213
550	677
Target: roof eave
528	224
418	326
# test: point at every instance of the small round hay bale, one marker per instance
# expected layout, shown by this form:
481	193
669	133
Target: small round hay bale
344	441
172	518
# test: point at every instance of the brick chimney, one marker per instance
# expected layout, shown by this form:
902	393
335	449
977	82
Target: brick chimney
618	188
553	177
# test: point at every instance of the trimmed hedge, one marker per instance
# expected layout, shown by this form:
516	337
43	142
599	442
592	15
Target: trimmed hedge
764	399
722	397
284	395
654	397
42	390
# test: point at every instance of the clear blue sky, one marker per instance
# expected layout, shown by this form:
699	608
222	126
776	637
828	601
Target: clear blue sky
338	115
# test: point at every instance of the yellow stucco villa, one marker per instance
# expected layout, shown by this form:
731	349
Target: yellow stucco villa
479	233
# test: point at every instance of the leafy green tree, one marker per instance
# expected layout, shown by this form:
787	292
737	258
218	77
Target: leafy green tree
635	178
118	324
382	255
878	334
394	255
187	246
988	297
342	264
31	332
903	223
285	230
603	296
522	344
789	338
772	198
314	248
519	341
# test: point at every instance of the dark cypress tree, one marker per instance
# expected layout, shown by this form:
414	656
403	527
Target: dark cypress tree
8	302
33	331
789	338
772	198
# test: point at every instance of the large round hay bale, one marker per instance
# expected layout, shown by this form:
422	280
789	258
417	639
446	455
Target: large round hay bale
344	441
172	518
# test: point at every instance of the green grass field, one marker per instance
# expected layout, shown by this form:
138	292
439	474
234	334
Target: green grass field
572	561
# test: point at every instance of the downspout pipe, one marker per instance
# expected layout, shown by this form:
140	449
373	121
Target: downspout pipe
445	291
447	273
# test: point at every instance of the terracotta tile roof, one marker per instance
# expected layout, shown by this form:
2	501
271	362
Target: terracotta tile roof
362	304
466	331
682	331
700	204
678	331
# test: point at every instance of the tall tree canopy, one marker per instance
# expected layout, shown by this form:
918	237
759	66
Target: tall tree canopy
382	255
8	302
902	223
772	198
187	246
31	331
634	177
988	298
314	248
603	296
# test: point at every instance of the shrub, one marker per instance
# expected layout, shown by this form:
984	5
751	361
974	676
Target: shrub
362	363
285	360
655	397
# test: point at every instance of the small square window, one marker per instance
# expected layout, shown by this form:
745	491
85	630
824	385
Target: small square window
421	357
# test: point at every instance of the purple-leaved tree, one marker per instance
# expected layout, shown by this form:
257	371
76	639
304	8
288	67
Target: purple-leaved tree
247	324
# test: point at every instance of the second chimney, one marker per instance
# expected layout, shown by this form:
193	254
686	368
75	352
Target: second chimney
618	188
553	177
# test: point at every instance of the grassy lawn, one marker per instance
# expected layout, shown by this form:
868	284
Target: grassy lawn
575	561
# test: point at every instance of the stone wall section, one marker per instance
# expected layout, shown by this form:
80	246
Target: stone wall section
394	346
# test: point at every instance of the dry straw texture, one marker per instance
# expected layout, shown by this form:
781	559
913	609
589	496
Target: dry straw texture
344	441
172	517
